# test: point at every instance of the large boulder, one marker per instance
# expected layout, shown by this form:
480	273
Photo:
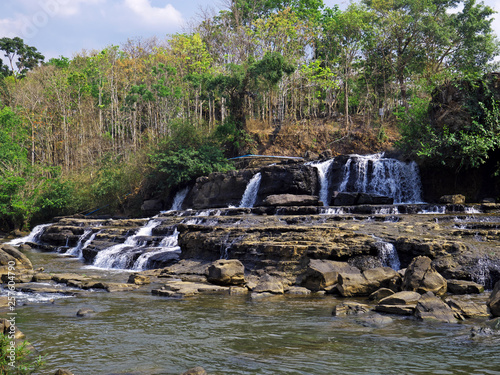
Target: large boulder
494	300
14	265
226	272
322	273
401	303
464	287
366	283
452	199
421	277
430	307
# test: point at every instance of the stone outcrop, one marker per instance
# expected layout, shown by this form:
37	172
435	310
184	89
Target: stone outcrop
351	199
494	300
226	272
467	309
464	287
21	269
291	200
430	307
322	273
350	308
421	277
367	282
401	303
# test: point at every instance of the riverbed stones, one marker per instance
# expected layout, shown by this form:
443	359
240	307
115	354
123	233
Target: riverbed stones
494	300
464	287
291	200
431	307
139	279
269	284
350	308
467	309
21	269
195	371
367	282
322	273
226	272
421	277
380	294
85	312
401	303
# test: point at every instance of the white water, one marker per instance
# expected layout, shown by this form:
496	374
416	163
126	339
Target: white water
32	237
322	169
168	244
388	177
251	191
77	250
116	256
388	255
179	198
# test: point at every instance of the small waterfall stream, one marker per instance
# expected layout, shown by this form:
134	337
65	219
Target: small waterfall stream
88	237
250	195
179	198
323	169
34	236
118	256
388	255
168	244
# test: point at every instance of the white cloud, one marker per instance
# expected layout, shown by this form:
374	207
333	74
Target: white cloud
154	16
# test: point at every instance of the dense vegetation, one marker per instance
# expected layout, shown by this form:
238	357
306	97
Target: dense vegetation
106	127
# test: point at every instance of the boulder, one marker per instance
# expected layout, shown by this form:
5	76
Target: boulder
374	320
84	312
291	200
297	179
268	284
421	277
20	267
195	371
344	198
494	300
368	198
367	282
322	273
226	272
139	279
350	308
467	309
401	303
431	307
380	294
452	199
63	372
152	205
464	287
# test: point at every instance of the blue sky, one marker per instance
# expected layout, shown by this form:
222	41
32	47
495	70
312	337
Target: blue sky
65	27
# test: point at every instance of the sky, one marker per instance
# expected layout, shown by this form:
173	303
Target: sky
65	27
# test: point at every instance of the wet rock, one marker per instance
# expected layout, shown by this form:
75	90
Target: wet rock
8	329
237	290
367	282
298	291
139	279
411	247
380	294
65	278
40	277
182	289
21	269
464	287
44	288
431	307
269	284
110	287
153	205
195	371
350	308
401	303
494	300
344	198
226	272
494	324
375	320
85	312
63	372
291	200
467	309
421	277
321	273
365	262
452	199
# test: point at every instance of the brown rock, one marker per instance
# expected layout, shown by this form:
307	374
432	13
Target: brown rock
322	273
291	200
421	277
63	372
195	371
452	199
430	307
269	284
464	287
226	272
494	300
139	279
350	308
401	303
366	283
467	309
380	294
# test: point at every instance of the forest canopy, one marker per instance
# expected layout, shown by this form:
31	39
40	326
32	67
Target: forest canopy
100	127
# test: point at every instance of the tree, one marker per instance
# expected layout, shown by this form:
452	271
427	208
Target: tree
21	57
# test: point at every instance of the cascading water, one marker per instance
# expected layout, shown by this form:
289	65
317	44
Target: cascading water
168	244
322	169
34	236
388	255
179	198
382	176
250	195
77	250
118	256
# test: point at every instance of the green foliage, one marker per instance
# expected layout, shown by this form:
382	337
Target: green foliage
20	55
184	156
25	363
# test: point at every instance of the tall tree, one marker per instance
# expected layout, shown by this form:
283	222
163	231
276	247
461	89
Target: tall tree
21	57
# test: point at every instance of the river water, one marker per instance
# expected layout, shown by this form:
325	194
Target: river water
138	333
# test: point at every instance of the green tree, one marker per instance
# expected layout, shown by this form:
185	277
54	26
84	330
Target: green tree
21	57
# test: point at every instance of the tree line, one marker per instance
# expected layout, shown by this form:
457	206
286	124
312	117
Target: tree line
174	108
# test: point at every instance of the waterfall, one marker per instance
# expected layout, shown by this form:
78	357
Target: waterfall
34	236
77	250
251	191
179	199
323	169
375	174
117	256
388	255
168	244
